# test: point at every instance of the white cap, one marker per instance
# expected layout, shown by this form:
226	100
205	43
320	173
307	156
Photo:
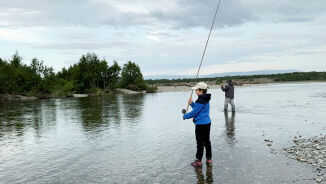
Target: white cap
201	85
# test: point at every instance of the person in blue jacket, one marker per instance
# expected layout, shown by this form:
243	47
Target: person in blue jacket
200	115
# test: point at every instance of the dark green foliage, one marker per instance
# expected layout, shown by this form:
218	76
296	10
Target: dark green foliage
92	73
3	82
89	75
151	89
63	87
18	78
113	75
132	78
16	60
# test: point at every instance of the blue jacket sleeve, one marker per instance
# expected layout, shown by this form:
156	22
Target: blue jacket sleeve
192	104
196	109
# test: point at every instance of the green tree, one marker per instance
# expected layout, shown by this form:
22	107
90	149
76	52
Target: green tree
14	74
88	74
3	80
37	69
131	77
49	80
103	74
113	75
16	60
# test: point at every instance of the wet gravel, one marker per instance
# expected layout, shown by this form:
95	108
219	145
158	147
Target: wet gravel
311	151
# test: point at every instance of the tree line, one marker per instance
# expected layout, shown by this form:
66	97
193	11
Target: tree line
90	75
285	77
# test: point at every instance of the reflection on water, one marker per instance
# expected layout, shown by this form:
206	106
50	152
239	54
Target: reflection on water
201	178
18	117
11	119
133	106
229	125
93	113
99	112
43	116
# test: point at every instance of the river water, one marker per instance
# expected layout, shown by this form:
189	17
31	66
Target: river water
143	138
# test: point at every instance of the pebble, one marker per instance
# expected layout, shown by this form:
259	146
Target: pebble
319	180
267	140
312	151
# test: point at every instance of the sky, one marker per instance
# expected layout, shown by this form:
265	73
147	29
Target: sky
167	37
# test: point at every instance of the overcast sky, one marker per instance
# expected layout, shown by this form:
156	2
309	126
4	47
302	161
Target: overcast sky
168	36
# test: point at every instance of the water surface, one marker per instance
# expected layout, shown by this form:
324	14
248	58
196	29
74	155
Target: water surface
143	139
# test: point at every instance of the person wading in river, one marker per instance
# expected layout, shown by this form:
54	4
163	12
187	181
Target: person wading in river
229	95
200	115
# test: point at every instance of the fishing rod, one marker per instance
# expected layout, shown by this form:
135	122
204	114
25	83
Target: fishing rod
202	58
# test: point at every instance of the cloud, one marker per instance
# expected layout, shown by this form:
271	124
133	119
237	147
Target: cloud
82	45
174	14
164	36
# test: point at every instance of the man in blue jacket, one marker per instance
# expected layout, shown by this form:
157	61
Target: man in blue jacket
200	115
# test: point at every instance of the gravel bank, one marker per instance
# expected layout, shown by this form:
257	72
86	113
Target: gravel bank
129	92
312	151
8	97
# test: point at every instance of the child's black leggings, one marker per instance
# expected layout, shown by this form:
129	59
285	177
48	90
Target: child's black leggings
202	138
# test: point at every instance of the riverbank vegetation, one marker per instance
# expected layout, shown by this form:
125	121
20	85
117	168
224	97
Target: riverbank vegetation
247	79
91	75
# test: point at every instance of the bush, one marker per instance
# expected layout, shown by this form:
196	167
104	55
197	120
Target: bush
64	88
151	89
94	91
133	87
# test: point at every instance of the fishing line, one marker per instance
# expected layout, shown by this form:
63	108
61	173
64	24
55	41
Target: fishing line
202	58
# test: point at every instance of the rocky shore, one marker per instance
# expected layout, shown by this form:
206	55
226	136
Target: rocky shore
311	151
129	92
9	97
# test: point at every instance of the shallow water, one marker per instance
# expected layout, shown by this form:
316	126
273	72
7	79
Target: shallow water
143	139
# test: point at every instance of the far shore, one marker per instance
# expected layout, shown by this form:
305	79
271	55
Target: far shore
187	88
19	97
182	87
160	88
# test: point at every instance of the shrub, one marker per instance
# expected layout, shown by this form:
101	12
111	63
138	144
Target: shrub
151	89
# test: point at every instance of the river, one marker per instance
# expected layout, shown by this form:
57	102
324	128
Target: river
143	139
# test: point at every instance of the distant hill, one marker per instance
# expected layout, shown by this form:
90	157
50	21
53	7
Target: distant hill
258	72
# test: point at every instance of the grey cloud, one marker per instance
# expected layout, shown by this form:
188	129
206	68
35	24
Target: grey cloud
84	45
187	13
48	13
199	14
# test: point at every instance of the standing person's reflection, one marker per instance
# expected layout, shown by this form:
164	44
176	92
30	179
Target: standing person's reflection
209	175
201	177
229	125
